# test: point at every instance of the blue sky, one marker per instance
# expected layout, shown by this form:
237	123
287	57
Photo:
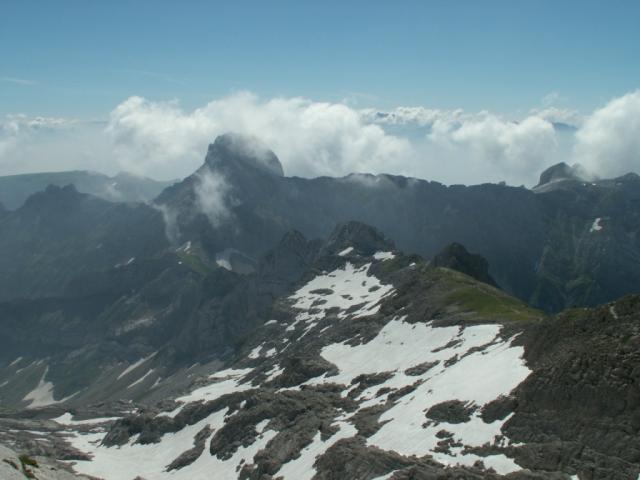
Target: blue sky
80	58
144	86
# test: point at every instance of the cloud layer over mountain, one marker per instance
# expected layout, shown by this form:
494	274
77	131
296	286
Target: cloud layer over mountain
163	140
609	141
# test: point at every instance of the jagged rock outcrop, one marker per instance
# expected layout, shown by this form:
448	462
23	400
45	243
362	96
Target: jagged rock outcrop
236	150
456	257
562	171
122	187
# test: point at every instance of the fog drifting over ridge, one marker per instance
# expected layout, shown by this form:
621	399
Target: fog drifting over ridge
163	140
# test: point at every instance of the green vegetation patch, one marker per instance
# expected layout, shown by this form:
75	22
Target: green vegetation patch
488	302
27	462
195	263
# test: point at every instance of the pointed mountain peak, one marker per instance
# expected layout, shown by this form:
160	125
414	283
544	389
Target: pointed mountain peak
247	151
364	239
456	257
54	195
55	192
563	171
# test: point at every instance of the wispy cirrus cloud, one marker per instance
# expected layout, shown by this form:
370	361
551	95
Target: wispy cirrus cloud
152	75
18	81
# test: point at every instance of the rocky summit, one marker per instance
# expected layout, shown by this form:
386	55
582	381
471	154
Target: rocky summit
248	325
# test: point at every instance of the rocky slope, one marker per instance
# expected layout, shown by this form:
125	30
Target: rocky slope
163	313
21	467
60	234
370	365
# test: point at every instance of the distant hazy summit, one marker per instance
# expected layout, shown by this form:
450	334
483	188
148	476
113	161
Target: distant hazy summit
123	187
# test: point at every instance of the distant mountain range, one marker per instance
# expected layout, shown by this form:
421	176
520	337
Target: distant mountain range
251	325
123	187
567	242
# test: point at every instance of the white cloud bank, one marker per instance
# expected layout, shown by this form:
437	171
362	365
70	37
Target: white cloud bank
163	140
310	138
44	144
609	141
313	139
488	143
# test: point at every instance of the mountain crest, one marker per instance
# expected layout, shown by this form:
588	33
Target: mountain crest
363	238
563	171
53	196
234	149
456	257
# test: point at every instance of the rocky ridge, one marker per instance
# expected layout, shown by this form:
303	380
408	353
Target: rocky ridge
379	365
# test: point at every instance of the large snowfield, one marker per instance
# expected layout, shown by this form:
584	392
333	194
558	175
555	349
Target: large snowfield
473	365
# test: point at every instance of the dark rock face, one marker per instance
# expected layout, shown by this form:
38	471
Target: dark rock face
451	411
456	257
562	171
233	148
123	187
60	234
364	239
288	261
580	406
191	455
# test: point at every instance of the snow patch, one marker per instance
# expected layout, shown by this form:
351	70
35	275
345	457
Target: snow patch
350	289
141	379
345	252
596	226
15	362
186	247
387	476
224	263
124	264
276	371
150	461
301	468
225	381
42	395
470	364
135	365
384	256
255	353
613	312
67	419
135	324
